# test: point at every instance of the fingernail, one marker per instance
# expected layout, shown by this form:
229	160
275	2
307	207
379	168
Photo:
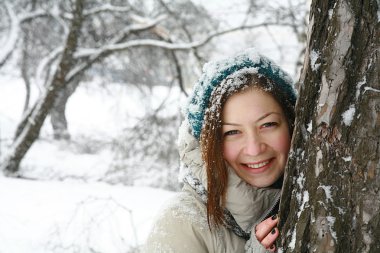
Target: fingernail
273	231
274	217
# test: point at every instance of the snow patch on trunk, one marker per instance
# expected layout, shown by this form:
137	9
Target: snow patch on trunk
348	115
314	55
318	164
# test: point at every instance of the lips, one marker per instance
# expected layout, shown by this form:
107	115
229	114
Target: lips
258	167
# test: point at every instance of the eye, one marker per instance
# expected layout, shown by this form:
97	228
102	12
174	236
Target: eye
231	132
269	124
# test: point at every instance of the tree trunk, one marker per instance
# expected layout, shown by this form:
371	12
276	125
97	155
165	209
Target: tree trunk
58	111
331	194
32	126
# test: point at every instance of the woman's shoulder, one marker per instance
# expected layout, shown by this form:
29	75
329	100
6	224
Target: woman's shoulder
181	226
184	208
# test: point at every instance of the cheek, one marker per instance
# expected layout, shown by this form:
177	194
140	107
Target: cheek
282	143
229	152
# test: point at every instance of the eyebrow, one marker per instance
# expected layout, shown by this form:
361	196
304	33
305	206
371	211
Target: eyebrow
261	118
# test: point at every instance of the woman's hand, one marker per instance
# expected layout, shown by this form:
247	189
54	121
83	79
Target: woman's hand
267	233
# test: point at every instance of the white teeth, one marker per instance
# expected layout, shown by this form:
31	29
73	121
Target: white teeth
258	165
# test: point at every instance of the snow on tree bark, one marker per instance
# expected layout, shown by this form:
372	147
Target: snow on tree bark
331	194
29	132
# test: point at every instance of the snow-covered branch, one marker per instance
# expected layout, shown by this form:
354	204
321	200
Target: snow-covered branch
14	29
147	24
31	15
105	8
45	63
95	54
10	43
81	53
55	11
162	44
100	9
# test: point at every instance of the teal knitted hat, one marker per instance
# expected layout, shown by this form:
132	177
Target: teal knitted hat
215	72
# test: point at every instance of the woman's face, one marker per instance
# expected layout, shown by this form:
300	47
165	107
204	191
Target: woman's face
256	137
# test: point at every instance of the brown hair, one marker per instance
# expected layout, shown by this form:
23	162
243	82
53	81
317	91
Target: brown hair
211	139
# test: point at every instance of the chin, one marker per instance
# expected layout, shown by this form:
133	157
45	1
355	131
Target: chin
263	183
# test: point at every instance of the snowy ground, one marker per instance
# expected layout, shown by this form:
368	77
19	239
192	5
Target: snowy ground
67	209
69	216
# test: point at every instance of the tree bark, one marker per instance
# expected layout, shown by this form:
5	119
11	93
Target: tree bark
30	130
58	111
331	193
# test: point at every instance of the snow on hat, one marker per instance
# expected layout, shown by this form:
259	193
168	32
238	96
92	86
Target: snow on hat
216	71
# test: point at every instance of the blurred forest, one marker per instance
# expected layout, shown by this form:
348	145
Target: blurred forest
54	47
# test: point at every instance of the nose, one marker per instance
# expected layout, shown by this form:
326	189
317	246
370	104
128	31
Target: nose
254	145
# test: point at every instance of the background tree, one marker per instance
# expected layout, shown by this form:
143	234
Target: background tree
140	44
331	198
28	132
104	31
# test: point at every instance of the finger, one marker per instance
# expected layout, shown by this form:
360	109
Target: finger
265	227
270	239
272	248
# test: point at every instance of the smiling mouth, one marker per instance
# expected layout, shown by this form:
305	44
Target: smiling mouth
258	167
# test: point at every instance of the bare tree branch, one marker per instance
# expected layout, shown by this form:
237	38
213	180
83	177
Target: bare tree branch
10	44
172	46
107	8
184	27
46	65
24	17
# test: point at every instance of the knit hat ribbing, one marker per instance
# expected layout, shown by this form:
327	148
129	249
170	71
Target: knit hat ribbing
215	72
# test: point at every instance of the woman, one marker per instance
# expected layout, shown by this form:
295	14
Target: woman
233	147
